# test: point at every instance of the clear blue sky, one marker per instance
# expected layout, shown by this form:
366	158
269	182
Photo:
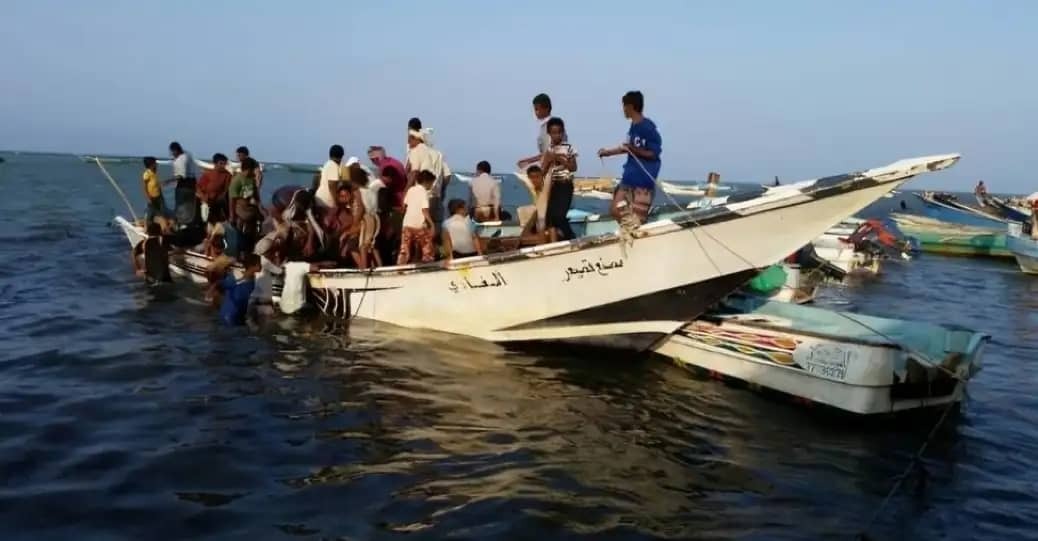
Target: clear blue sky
750	89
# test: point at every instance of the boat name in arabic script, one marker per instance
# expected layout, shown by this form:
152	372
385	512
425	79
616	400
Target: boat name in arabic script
497	280
599	267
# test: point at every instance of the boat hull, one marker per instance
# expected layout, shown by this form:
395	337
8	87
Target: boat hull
950	239
1025	250
817	356
599	286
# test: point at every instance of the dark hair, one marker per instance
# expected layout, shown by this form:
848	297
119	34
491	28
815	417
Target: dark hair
243	150
635	99
149	161
175	147
154	229
336	151
454	205
543	100
414	124
249	164
250	260
218	157
343	187
533	169
358	175
426	176
483	167
555	121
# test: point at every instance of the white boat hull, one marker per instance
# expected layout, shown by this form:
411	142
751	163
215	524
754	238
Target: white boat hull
601	287
858	399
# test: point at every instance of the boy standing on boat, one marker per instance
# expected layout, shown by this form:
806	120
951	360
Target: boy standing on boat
153	190
542	112
418	221
634	195
560	161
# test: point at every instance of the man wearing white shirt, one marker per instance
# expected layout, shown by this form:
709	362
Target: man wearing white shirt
330	178
187	207
486	194
423	157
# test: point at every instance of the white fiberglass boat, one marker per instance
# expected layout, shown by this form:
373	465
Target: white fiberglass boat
615	289
855	363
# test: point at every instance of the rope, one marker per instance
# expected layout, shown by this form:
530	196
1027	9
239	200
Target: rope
117	188
916	460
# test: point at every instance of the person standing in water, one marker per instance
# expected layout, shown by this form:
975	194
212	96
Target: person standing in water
155	251
644	145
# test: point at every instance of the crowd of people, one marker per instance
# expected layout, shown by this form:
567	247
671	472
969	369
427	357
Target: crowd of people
353	215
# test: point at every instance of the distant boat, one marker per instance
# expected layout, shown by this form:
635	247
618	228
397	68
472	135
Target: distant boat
947	208
940	237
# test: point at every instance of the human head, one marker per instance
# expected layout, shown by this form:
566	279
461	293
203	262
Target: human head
243	152
541	106
414	123
483	167
536	176
344	195
556	129
154	229
251	262
175	149
249	166
376	153
150	162
426	178
414	137
336	152
219	161
358	176
633	103
456	206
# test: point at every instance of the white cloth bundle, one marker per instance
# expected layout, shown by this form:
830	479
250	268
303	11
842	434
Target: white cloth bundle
293	293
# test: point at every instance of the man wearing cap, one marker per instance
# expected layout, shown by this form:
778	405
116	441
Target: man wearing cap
423	157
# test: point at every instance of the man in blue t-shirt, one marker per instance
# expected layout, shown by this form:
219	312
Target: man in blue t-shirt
236	292
633	197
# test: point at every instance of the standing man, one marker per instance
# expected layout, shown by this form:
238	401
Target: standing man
328	183
187	209
633	197
981	193
212	190
398	177
542	112
423	157
243	152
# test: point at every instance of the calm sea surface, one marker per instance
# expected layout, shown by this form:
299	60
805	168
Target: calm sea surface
126	414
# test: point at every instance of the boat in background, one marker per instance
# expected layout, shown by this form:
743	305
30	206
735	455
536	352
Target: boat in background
622	289
855	363
947	208
939	237
1024	249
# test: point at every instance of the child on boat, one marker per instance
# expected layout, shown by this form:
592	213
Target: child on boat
153	190
155	251
560	160
418	225
236	293
459	232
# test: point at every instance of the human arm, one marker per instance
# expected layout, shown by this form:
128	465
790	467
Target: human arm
428	218
495	200
615	151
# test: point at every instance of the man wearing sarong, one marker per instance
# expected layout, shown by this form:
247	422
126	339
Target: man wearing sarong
633	197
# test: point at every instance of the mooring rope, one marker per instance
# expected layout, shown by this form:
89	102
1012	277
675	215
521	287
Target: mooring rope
117	188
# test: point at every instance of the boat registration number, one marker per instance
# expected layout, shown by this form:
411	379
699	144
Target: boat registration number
829	361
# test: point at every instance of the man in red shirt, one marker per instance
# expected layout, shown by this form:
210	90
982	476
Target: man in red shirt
212	189
392	173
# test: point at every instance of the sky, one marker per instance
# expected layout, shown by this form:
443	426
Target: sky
750	89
